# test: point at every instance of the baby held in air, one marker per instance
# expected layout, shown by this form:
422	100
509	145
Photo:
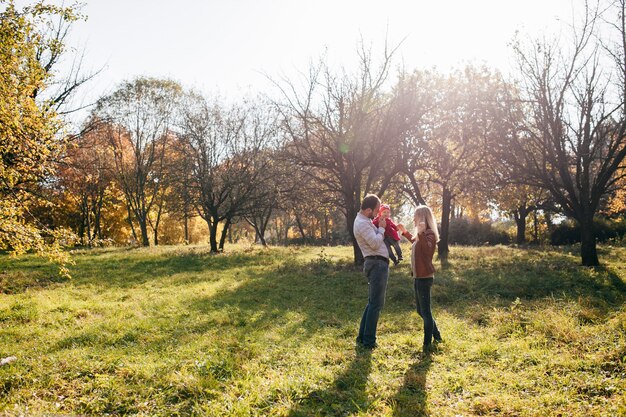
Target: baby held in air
392	238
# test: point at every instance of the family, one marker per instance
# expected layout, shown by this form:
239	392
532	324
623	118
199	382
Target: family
374	232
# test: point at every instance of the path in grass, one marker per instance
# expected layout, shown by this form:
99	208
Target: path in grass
176	331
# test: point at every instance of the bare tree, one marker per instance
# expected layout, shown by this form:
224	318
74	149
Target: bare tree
227	146
181	196
573	140
266	197
343	129
417	92
447	142
51	52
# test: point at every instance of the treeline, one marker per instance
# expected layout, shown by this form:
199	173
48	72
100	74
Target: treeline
153	156
159	162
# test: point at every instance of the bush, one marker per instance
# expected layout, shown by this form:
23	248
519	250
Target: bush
474	232
568	232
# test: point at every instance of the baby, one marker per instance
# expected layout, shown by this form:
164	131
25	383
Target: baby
392	239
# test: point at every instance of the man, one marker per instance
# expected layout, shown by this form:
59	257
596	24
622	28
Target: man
376	268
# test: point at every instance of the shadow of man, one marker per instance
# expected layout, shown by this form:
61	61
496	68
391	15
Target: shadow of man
345	395
410	401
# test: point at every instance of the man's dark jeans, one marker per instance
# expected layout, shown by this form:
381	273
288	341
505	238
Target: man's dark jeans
377	273
391	242
422	299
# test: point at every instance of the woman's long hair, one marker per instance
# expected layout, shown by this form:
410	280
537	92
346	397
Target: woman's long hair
425	214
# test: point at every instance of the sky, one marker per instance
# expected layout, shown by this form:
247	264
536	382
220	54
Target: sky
230	46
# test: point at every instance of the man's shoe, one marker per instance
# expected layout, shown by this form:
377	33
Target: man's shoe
359	342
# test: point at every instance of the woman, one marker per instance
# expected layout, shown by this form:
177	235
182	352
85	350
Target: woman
423	271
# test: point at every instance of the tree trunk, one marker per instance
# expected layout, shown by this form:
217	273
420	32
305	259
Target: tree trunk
443	248
326	227
259	225
300	228
143	224
588	242
548	218
82	225
186	222
535	227
358	255
87	215
261	238
97	213
265	221
130	222
213	223
155	227
286	229
224	234
520	222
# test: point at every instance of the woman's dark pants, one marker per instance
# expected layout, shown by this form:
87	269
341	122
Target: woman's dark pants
422	299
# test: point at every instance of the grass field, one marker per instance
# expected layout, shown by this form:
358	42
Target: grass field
175	331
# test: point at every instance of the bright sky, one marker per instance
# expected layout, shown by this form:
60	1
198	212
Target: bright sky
227	45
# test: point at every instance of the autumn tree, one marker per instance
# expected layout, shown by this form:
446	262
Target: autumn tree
86	177
616	203
29	126
138	116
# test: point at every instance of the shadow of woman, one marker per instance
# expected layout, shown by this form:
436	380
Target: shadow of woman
410	401
345	395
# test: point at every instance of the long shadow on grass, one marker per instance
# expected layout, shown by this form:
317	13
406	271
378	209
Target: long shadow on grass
410	401
282	304
344	396
297	301
277	309
535	277
325	294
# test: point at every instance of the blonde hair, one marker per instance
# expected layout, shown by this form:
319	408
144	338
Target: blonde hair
425	214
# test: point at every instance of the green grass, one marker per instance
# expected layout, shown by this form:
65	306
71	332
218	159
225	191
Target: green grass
177	331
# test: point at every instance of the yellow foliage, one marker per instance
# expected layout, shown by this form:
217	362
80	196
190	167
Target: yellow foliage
617	201
28	132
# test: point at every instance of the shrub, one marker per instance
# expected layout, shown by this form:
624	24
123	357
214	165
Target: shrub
568	232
